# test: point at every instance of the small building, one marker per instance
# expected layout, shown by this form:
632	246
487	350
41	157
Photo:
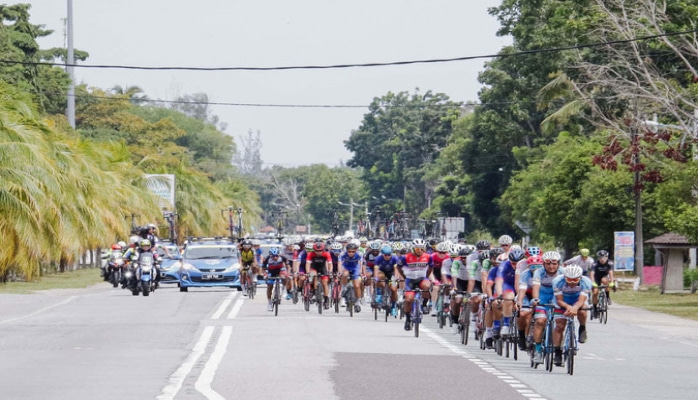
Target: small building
674	250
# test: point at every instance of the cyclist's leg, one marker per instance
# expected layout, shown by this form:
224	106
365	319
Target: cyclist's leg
507	309
540	319
560	324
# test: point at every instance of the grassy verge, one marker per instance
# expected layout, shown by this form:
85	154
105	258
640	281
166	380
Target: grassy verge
684	305
81	278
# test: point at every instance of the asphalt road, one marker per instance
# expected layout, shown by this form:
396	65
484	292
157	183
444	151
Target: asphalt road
103	343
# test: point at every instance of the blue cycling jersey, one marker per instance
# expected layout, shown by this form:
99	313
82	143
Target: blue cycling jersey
386	265
507	272
541	277
350	262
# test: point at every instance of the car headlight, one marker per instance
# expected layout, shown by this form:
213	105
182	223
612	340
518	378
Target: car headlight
233	268
190	267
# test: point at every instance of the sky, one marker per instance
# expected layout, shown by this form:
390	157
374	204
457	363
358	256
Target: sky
264	33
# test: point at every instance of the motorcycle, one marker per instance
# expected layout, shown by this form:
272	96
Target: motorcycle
143	279
115	267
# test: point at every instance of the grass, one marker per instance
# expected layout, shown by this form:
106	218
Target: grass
684	305
78	279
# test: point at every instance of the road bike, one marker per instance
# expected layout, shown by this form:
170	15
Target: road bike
602	306
569	344
276	293
335	292
350	296
464	317
443	306
307	293
548	349
417	312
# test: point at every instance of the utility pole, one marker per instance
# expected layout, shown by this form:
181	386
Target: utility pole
70	60
637	190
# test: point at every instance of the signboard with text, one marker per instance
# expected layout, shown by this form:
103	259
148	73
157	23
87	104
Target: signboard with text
624	251
162	185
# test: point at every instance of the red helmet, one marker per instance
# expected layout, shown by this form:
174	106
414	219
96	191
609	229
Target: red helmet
534	260
116	247
318	247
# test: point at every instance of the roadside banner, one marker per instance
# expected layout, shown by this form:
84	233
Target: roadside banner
624	251
162	185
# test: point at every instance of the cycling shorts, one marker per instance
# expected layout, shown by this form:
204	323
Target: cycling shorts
507	288
437	274
478	287
461	285
273	273
412	284
598	276
354	273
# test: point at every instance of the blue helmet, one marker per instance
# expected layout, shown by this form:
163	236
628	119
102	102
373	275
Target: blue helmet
387	250
274	251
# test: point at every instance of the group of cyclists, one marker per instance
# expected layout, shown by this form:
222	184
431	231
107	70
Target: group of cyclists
501	279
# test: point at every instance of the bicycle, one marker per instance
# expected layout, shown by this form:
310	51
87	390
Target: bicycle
335	292
276	294
417	310
443	307
319	293
512	341
350	298
307	294
569	345
250	286
294	289
464	317
548	348
602	306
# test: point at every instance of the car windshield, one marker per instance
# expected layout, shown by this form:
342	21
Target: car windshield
171	249
209	252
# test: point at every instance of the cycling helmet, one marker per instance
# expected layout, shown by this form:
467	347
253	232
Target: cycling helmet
419	243
116	247
246	244
584	252
145	243
318	247
505	239
442	247
288	241
454	250
387	250
533	251
496	252
552	255
433	242
256	242
397	246
516	255
484	255
602	253
572	271
534	262
357	242
352	246
122	244
296	247
483	245
274	251
375	245
465	251
471	247
363	239
515	247
336	246
151	226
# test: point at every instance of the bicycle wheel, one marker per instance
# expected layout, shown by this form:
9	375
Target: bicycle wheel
465	311
319	298
277	298
306	296
570	361
515	346
351	297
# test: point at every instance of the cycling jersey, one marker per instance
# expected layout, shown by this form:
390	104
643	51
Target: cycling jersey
247	257
521	266
526	283
472	264
459	270
351	263
570	294
413	266
541	277
446	267
601	270
585	263
277	263
370	259
387	266
507	274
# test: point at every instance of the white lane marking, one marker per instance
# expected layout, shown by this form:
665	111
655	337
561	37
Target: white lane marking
223	306
484	366
236	309
203	384
39	311
177	378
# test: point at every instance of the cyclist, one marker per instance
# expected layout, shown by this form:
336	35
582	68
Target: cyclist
373	252
350	263
414	266
543	293
601	273
461	278
505	280
316	264
258	253
384	271
248	261
524	297
436	260
505	242
275	263
571	295
363	243
475	265
335	251
493	313
583	260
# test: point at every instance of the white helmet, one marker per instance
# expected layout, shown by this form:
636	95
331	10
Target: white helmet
505	239
357	242
551	255
442	247
419	243
515	246
455	249
122	244
336	246
572	271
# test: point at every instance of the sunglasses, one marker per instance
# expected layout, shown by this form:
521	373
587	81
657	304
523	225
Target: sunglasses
551	262
506	245
351	251
573	280
534	266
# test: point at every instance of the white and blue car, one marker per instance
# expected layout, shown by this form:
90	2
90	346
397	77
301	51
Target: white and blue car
210	263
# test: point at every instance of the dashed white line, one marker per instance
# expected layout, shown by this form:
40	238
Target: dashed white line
485	366
236	309
177	378
203	384
224	305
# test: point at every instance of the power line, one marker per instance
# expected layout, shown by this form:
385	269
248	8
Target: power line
355	65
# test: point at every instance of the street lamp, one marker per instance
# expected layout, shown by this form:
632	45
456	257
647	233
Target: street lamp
351	211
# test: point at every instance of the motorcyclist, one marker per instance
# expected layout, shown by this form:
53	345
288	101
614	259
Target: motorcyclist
116	252
134	254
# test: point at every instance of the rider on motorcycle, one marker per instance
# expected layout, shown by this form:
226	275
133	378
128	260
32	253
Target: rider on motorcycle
134	254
